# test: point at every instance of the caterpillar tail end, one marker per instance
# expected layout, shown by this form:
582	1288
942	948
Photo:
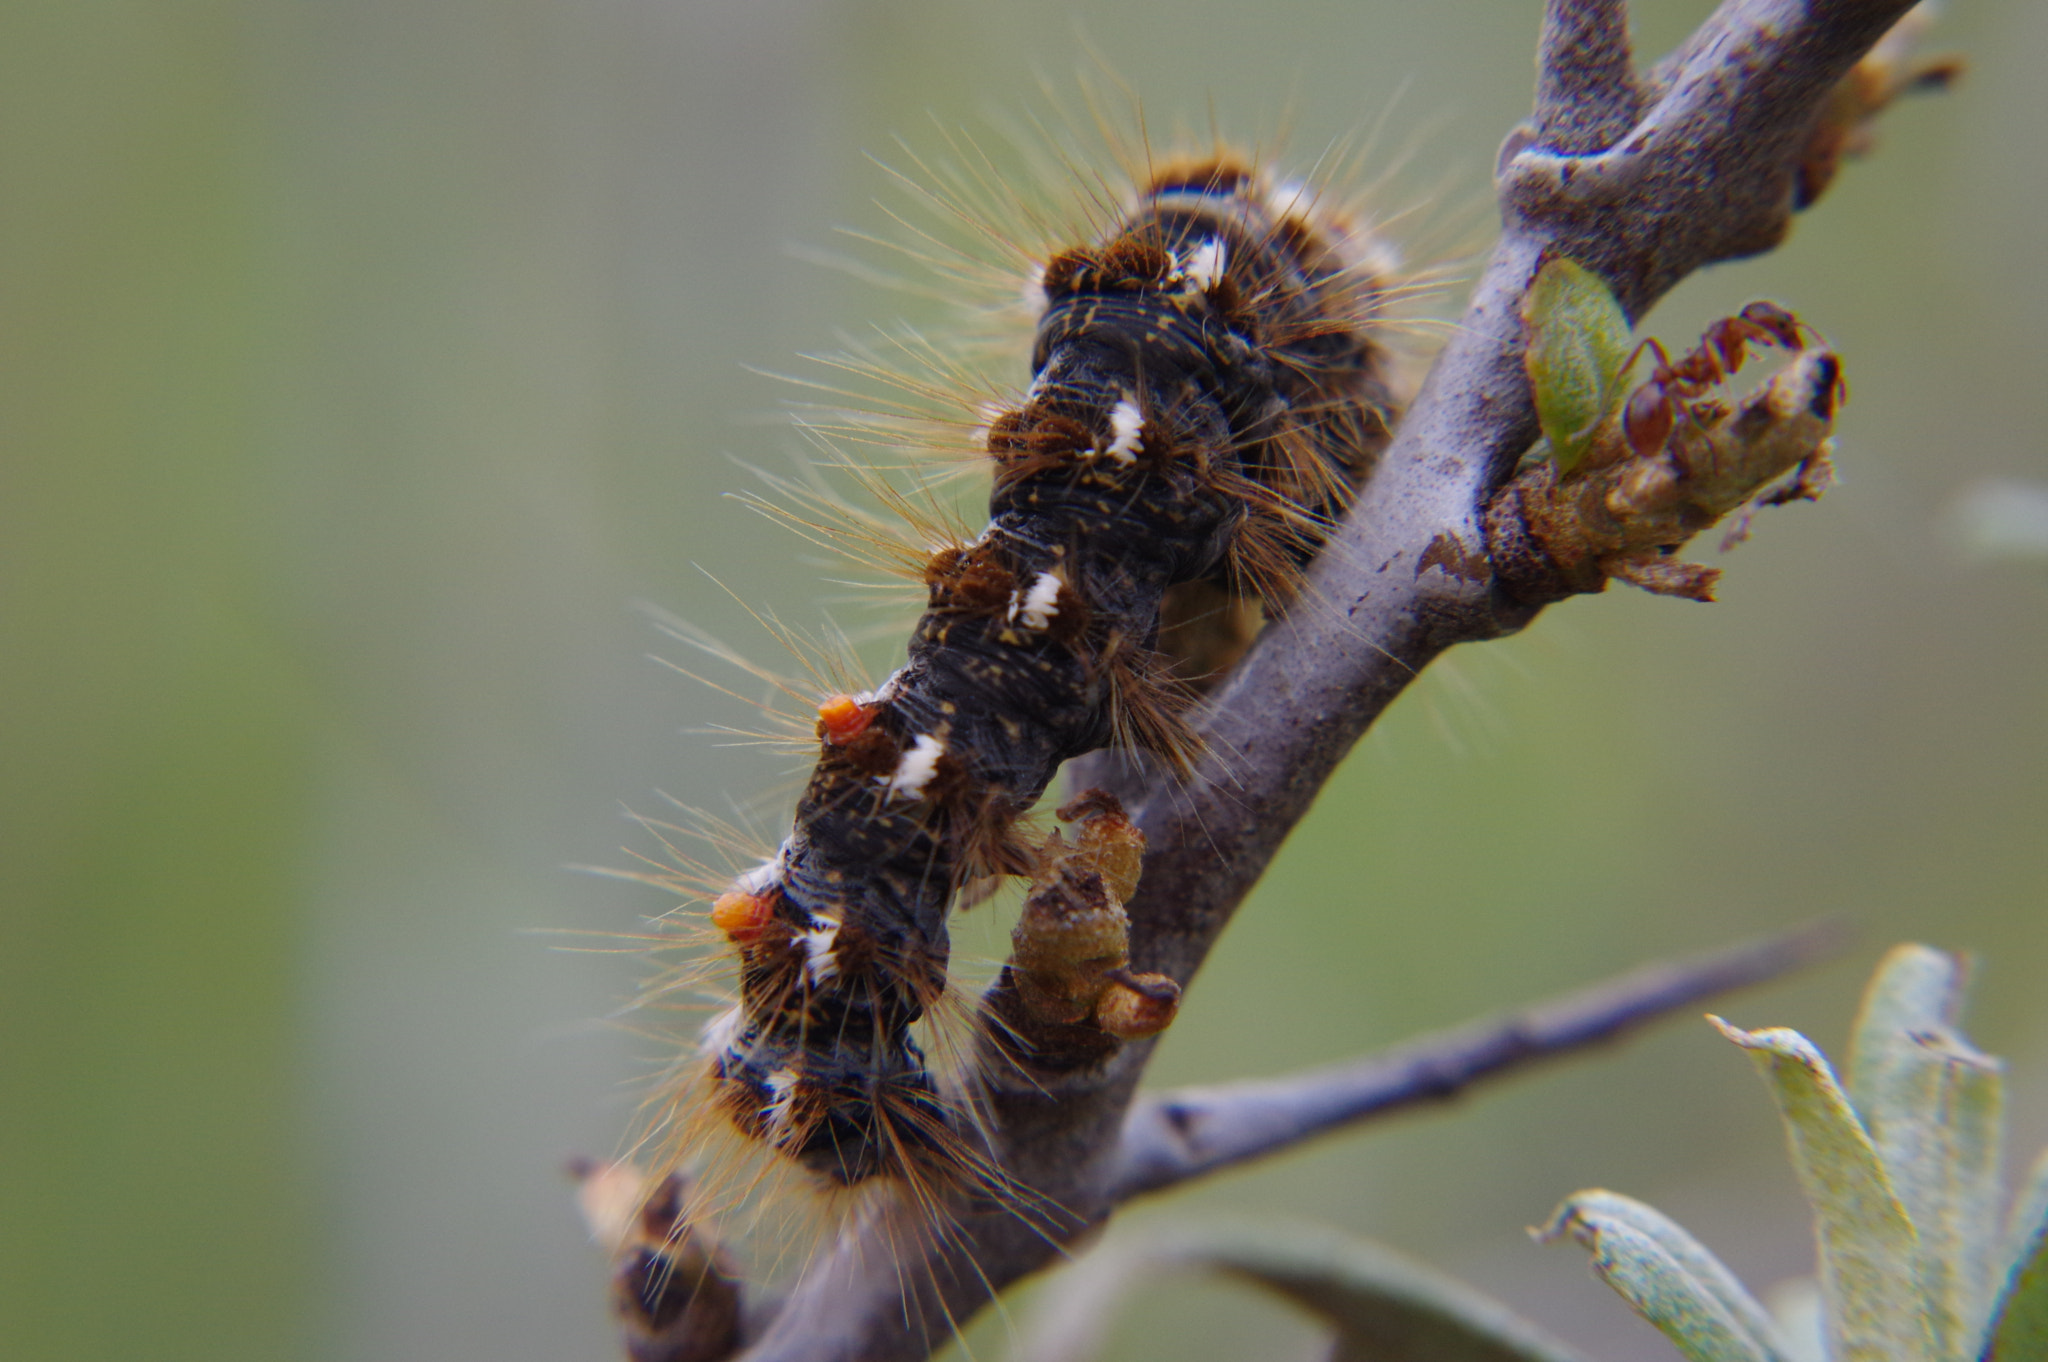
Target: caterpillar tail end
673	1292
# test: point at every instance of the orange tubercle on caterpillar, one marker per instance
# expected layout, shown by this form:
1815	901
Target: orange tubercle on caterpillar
743	917
842	718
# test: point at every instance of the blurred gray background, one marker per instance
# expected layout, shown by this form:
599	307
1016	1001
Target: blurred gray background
365	363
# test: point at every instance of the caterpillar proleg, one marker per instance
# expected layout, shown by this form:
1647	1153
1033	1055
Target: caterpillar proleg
1208	382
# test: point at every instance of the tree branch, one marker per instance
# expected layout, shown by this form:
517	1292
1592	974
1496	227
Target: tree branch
1174	1137
1586	92
1642	182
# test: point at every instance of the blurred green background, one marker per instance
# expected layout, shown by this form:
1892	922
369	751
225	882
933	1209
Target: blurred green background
365	363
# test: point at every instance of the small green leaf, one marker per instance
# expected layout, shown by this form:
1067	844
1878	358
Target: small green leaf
1578	346
1668	1277
1934	1107
1869	1251
2018	1331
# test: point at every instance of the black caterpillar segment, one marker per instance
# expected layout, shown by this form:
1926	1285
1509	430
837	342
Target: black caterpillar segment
1205	392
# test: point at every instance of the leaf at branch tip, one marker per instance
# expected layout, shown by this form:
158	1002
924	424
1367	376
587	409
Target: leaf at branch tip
1668	1277
1935	1109
2018	1331
1868	1249
1578	347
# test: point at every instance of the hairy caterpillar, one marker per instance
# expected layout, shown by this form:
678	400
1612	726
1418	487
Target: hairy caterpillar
1207	385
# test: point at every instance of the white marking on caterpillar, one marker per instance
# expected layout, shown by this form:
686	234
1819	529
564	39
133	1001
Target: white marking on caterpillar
782	1083
1033	294
763	877
720	1032
819	965
1290	198
915	769
1037	606
1204	265
881	694
1369	253
1127	427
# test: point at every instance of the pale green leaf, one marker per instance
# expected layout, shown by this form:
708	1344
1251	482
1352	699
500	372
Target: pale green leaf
2019	1325
1385	1308
1659	1283
1578	346
1916	989
1668	1277
1934	1107
1868	1249
1802	1318
2029	1210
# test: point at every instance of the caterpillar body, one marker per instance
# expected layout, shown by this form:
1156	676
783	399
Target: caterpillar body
1208	383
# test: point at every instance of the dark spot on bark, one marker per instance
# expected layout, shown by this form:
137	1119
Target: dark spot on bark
1448	552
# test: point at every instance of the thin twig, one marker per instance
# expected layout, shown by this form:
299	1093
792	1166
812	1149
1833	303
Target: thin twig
1173	1137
